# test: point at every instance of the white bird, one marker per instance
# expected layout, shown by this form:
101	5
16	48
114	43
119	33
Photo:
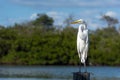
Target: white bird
82	41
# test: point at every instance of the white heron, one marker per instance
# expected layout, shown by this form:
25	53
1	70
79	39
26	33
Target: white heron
82	41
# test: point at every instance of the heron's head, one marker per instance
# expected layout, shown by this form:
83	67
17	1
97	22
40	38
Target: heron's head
80	21
82	24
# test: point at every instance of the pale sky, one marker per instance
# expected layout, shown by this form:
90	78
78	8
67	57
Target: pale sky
18	11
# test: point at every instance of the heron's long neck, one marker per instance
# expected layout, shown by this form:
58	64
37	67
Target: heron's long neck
82	27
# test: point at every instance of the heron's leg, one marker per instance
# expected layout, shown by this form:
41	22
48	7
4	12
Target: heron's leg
85	67
80	66
79	62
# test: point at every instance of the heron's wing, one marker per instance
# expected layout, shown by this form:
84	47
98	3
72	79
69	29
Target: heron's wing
84	35
84	54
86	50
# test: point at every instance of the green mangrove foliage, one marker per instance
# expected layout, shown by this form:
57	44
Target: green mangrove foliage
39	42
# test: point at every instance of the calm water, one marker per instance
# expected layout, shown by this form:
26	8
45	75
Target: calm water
55	72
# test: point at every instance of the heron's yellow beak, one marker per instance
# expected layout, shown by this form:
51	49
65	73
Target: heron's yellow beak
76	22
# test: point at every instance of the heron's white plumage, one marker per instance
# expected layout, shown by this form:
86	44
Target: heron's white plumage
82	42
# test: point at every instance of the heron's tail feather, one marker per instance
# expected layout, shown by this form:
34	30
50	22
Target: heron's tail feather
82	60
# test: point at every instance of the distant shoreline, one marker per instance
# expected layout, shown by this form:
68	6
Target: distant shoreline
98	65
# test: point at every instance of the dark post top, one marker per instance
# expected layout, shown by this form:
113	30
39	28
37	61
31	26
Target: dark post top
81	76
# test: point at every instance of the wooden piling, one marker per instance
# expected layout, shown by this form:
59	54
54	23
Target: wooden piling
81	76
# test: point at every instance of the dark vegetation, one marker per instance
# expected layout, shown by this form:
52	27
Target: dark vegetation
39	42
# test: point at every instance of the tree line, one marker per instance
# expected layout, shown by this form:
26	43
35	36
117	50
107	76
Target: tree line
39	42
